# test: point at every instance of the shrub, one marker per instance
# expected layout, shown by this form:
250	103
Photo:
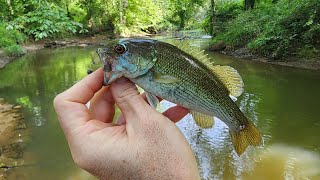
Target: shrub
10	37
225	12
283	28
49	20
14	50
10	41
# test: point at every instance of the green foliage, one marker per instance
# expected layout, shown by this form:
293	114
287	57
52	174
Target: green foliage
48	20
10	41
308	51
225	11
10	37
57	18
282	28
13	50
182	11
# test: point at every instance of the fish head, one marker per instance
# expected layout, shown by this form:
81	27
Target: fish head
129	57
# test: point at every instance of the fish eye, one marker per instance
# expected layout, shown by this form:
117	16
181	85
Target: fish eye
119	48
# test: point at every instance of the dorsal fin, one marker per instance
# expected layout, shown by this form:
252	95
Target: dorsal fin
230	78
195	52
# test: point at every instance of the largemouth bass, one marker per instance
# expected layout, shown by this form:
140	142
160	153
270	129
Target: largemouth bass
180	76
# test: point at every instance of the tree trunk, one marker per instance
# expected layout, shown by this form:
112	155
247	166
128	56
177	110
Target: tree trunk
68	11
182	19
125	5
10	7
213	11
120	12
249	4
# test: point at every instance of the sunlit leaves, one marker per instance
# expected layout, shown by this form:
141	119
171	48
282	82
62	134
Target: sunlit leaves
276	29
48	20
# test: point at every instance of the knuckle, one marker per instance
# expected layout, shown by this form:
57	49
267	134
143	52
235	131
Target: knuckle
60	103
128	94
57	100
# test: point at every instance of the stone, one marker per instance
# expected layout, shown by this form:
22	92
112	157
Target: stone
219	46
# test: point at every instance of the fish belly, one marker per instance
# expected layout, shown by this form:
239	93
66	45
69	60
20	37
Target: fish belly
177	94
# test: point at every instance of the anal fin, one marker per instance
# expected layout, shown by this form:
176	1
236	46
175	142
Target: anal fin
249	135
202	120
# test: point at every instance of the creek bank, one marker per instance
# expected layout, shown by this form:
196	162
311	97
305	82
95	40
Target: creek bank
245	54
14	136
93	40
72	42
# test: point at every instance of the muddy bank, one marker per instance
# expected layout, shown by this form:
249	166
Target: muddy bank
13	138
245	54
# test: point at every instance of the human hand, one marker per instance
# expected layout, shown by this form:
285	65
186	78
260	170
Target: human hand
147	146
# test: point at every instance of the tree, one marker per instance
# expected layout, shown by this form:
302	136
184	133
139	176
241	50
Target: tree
249	4
123	5
213	11
184	10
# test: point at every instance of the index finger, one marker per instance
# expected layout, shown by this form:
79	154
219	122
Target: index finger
70	105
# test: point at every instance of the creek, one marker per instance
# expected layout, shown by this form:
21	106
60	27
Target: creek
283	102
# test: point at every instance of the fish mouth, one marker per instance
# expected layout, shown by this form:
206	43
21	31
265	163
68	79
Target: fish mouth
105	58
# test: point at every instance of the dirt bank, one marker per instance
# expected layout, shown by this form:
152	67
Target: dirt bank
13	138
245	54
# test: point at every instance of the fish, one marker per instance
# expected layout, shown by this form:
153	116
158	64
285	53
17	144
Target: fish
185	77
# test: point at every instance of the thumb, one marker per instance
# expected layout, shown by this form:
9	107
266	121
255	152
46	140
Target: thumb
128	99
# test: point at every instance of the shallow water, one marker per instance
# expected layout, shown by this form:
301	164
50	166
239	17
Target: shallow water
282	101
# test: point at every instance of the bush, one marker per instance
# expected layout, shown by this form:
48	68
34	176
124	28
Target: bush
225	12
282	28
308	52
10	41
49	20
11	37
14	50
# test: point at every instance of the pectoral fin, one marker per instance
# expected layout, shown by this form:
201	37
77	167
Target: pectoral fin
152	99
163	78
202	120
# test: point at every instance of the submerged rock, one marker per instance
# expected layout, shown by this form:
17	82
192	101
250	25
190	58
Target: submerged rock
218	46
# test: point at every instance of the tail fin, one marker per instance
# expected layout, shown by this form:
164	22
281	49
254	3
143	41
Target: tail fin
245	137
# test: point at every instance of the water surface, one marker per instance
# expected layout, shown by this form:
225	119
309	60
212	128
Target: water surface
282	102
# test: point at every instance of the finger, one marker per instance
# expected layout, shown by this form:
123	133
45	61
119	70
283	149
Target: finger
176	113
70	105
128	99
102	105
83	91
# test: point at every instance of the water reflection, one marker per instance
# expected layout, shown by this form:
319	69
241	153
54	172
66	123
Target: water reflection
283	102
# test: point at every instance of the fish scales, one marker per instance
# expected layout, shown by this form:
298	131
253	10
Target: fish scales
195	76
165	71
